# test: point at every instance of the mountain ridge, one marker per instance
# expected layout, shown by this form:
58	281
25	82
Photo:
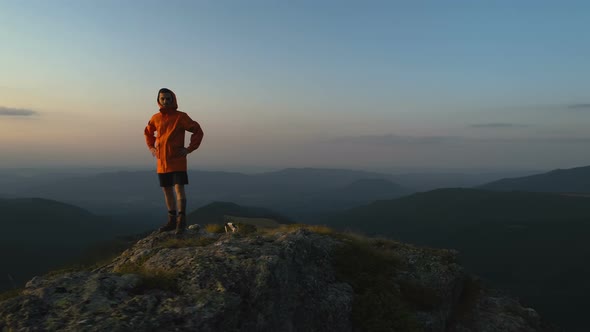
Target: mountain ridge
46	234
572	180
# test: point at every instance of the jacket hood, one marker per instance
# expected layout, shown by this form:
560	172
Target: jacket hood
174	102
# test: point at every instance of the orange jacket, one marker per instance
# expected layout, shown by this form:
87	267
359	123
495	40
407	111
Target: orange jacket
171	125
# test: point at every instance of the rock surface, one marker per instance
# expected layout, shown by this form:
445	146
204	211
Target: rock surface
283	280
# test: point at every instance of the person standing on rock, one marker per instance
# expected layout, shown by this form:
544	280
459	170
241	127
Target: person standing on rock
168	148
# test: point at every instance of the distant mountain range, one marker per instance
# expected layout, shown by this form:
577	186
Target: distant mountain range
301	194
533	244
573	180
435	180
295	193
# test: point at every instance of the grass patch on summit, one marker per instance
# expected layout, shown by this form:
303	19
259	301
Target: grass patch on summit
319	229
10	294
151	278
472	290
215	228
287	228
378	304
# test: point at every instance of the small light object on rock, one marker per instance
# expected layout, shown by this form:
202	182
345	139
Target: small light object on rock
230	226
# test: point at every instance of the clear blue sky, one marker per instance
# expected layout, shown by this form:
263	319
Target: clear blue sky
364	84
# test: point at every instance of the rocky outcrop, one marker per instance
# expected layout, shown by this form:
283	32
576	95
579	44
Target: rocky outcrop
286	280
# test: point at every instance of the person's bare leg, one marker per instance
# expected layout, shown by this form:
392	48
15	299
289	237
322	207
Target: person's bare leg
170	204
169	196
181	204
180	198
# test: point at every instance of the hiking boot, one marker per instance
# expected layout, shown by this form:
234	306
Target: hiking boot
170	225
180	224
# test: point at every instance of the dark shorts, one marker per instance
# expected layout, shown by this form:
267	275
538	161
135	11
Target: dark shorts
172	178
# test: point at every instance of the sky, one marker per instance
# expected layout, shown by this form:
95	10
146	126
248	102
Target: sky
369	85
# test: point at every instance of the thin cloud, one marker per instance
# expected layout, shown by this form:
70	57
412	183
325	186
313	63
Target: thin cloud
581	106
568	140
392	139
497	125
9	111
